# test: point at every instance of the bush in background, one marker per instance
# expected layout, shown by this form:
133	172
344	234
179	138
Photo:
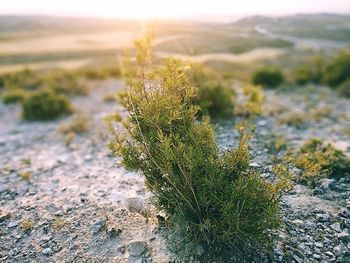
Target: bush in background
99	73
319	160
268	77
253	103
338	71
344	88
303	75
13	96
64	82
213	96
45	105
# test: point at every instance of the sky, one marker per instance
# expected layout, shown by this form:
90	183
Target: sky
170	9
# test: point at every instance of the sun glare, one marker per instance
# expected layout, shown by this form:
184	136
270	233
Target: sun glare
169	9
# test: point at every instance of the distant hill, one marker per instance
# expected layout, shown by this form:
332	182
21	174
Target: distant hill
317	26
10	23
293	20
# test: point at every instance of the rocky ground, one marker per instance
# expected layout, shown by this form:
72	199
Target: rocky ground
77	204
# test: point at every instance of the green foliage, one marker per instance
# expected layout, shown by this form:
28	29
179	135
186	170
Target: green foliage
26	225
344	89
99	73
253	103
63	82
310	72
25	79
338	71
268	77
59	81
13	96
78	125
45	105
319	160
223	205
293	119
302	76
25	175
213	97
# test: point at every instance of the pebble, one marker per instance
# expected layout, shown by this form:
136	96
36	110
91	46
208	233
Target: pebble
336	227
199	250
12	224
254	165
298	222
47	251
323	217
88	157
339	250
98	225
343	236
329	254
327	184
136	248
137	205
4	216
59	213
318	244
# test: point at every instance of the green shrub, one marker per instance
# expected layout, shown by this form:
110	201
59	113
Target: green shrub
59	81
63	82
213	197
319	160
253	103
338	71
13	96
295	119
45	105
79	124
212	96
25	79
303	76
214	99
268	77
344	89
310	72
100	73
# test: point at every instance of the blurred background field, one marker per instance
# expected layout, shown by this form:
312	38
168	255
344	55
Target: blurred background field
70	43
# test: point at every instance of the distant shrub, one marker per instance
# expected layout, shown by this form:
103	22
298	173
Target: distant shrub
320	113
303	76
59	81
13	96
338	71
310	72
344	89
79	124
45	105
268	77
24	79
275	143
319	160
293	119
110	97
212	199
253	103
212	96
215	99
63	82
100	73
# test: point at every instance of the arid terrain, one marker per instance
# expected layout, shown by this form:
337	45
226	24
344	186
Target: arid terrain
73	201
